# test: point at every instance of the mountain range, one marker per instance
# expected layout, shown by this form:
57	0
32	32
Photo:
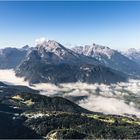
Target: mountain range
51	62
25	114
111	58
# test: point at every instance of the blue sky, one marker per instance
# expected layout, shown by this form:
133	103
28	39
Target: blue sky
114	24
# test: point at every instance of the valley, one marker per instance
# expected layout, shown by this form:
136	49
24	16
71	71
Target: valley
53	92
26	114
69	70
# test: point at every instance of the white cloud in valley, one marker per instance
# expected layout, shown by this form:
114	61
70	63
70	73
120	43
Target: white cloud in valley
121	98
9	77
109	105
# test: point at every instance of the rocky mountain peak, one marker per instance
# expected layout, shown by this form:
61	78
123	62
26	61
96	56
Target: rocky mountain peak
48	45
94	50
26	47
133	54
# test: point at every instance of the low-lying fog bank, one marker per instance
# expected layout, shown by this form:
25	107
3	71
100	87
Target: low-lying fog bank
121	98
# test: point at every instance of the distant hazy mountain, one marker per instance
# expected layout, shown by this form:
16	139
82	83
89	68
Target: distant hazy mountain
11	57
109	57
133	54
52	62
